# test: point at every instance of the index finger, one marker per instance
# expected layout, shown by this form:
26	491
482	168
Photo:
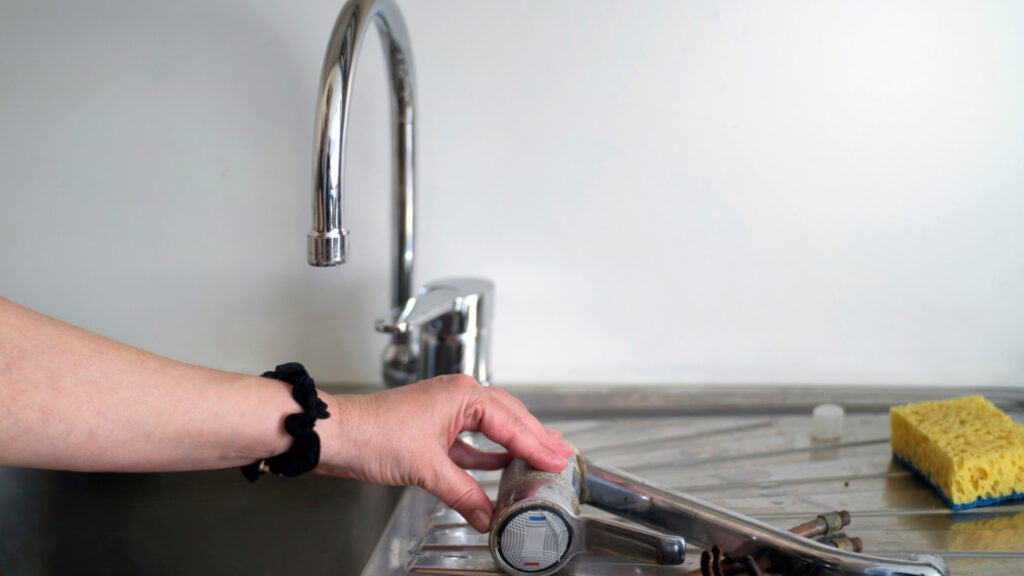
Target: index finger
550	438
510	427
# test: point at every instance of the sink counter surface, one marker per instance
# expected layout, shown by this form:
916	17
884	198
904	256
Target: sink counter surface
749	450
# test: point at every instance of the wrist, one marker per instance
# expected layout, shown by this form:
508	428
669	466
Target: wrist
303	454
340	437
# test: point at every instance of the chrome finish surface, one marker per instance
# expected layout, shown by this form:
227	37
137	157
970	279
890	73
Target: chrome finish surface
744	449
445	351
707	525
450	320
556	530
60	523
328	238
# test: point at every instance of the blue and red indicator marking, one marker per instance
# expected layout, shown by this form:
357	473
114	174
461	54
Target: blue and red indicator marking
535	519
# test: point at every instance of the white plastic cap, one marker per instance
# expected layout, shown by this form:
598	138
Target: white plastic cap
827	422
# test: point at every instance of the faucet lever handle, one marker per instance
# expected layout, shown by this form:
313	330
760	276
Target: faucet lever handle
613	538
451	319
461	296
417	311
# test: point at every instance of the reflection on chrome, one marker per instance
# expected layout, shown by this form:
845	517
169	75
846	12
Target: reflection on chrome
460	345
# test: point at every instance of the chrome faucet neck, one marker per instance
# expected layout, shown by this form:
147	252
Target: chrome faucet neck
328	238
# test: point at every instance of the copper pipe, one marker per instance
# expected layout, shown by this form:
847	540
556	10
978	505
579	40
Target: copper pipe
714	563
844	543
823	525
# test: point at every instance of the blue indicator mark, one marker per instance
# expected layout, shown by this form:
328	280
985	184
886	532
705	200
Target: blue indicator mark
541	518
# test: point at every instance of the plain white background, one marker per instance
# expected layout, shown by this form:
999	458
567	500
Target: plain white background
663	192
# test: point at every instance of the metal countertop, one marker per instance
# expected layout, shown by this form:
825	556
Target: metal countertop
748	449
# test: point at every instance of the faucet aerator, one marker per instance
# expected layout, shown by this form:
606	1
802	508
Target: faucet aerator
327	249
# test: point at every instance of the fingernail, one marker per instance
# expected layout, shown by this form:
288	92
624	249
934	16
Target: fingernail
563	449
559	461
480	521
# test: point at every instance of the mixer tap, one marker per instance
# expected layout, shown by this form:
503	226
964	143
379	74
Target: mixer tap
726	536
328	240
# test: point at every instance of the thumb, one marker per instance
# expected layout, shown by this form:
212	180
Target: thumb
456	488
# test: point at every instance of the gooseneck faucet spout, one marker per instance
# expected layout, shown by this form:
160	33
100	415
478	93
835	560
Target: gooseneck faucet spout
328	238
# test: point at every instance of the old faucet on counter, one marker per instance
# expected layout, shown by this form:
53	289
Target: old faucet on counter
538	527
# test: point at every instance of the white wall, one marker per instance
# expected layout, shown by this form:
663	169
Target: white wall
663	192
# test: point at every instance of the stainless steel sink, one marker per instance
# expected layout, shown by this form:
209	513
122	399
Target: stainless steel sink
743	448
186	523
748	449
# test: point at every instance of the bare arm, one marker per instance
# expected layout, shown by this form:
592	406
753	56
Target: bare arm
73	400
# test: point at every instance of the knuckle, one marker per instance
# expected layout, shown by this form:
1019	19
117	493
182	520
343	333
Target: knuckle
519	427
465	381
502	395
465	496
428	478
510	400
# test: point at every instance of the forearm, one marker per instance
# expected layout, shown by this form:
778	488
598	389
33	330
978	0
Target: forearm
73	400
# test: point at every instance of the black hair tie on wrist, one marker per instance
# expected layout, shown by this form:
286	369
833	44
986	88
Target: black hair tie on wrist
304	455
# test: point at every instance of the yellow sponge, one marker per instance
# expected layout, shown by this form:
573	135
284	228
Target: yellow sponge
966	447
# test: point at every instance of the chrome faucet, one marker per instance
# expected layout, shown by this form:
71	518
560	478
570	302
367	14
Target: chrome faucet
327	240
451	319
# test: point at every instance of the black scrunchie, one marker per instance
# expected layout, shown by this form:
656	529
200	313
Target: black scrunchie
304	455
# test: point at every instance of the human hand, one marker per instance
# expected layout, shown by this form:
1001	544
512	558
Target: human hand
409	436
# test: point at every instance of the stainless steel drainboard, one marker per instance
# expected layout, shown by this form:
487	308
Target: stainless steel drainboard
760	462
